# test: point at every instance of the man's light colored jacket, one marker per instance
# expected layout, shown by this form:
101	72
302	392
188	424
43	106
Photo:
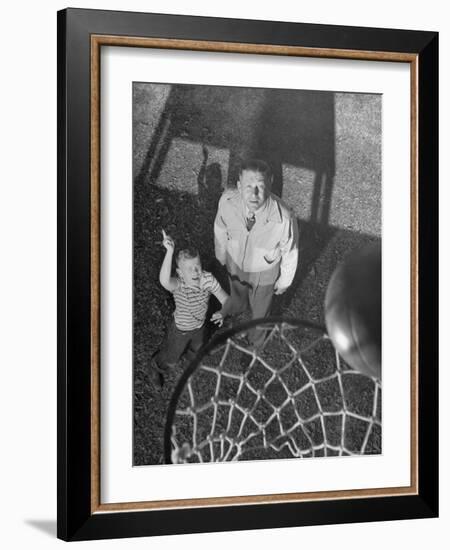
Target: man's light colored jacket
266	253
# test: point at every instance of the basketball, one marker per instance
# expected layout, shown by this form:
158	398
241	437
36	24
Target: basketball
353	310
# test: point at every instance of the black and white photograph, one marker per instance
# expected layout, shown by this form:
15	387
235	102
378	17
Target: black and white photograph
256	273
224	281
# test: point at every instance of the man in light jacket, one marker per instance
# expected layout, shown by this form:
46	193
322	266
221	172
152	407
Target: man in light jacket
256	238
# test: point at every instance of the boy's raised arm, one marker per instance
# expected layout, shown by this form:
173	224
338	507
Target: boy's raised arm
168	282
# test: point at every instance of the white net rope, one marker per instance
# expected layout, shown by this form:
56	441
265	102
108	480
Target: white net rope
291	398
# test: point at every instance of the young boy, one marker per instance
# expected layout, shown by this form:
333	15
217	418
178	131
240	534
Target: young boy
191	290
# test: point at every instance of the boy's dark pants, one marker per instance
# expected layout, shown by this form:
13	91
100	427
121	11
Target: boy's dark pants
178	342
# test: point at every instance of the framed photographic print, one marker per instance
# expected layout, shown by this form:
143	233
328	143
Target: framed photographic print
247	257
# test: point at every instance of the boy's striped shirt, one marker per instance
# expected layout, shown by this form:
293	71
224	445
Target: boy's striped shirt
191	303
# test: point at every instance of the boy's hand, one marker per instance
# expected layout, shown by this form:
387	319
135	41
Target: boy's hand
167	242
217	318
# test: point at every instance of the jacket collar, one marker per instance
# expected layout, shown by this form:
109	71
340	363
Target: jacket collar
271	210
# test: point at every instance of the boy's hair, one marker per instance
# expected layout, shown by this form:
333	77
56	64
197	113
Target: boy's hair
187	254
259	166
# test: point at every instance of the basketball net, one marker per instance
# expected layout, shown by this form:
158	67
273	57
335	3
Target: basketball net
291	398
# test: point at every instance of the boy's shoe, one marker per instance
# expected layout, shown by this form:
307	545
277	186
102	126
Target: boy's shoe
156	376
155	373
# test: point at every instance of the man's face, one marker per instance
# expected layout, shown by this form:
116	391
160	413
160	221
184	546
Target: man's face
191	270
253	189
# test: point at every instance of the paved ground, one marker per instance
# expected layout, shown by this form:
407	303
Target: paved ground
325	150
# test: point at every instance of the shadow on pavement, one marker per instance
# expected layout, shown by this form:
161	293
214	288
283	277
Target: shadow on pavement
283	127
